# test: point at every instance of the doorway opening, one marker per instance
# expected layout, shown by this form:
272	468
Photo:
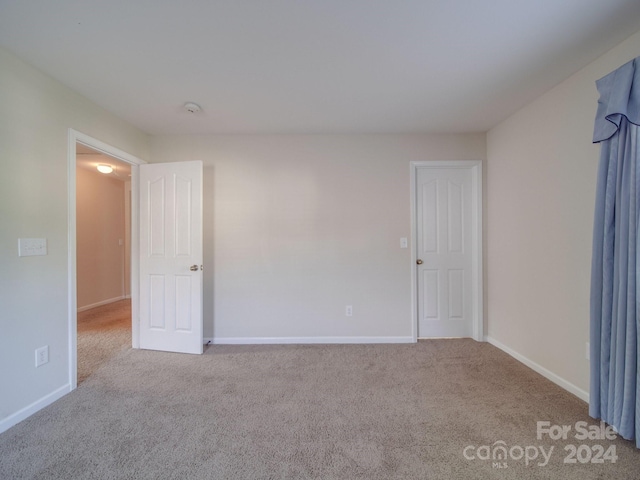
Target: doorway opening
103	254
103	249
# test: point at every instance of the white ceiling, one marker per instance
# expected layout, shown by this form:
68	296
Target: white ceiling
305	66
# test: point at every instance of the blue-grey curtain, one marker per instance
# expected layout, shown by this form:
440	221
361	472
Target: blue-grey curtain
615	269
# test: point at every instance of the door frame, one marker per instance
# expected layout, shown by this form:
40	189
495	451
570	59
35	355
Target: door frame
78	137
475	167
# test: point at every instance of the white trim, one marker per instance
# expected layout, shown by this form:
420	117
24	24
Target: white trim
561	382
476	239
29	410
103	302
305	340
414	235
72	304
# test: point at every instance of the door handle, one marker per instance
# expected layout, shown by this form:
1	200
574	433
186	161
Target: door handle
193	268
419	262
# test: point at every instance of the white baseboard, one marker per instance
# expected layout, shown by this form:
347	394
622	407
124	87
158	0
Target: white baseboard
305	340
11	420
568	386
103	302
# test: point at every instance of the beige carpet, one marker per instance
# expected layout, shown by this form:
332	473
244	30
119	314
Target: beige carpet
308	412
102	333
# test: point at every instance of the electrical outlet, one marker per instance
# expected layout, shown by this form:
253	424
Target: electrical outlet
42	355
349	311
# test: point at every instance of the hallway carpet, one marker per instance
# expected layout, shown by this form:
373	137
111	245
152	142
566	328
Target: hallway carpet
103	332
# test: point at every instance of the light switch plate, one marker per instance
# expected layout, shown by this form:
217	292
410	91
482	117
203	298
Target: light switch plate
404	242
32	246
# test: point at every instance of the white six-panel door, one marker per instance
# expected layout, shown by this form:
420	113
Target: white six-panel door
444	252
171	257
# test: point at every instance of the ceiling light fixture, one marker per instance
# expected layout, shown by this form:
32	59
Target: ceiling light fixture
192	107
105	168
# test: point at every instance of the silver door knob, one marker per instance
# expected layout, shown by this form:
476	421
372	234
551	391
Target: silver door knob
193	268
419	262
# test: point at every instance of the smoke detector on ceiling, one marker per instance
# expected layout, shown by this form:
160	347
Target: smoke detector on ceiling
192	107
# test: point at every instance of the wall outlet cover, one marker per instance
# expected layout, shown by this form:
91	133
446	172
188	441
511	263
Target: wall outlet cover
42	355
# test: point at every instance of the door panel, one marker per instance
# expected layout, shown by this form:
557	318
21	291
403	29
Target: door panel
444	246
170	244
431	291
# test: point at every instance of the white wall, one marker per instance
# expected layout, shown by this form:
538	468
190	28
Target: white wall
297	227
541	180
35	115
100	224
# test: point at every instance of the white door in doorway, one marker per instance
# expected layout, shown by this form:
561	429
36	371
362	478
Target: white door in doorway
444	252
171	257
